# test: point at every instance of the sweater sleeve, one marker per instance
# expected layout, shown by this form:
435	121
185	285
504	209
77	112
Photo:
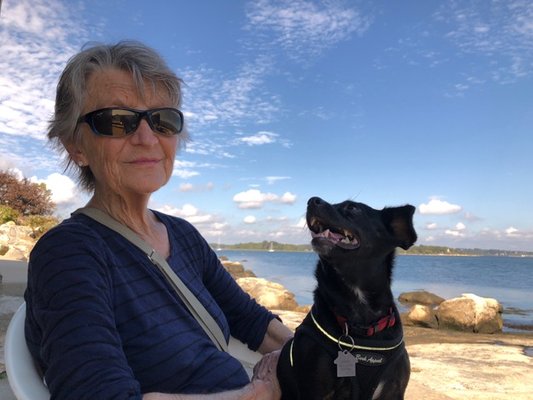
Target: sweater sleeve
70	326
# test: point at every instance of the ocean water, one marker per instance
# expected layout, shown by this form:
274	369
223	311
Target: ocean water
507	279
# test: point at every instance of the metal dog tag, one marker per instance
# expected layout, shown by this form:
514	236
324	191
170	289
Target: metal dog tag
346	364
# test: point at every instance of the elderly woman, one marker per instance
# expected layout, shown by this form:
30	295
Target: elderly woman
102	322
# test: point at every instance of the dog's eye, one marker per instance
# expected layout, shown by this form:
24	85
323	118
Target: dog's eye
352	208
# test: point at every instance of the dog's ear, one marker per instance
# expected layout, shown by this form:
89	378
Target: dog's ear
399	220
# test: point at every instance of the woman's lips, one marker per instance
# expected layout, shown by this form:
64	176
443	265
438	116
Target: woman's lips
145	161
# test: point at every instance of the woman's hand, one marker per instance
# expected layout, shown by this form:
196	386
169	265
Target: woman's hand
265	375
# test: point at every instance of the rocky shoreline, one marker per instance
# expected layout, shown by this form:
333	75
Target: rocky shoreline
445	364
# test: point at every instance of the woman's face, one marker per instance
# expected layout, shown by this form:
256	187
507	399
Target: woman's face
137	164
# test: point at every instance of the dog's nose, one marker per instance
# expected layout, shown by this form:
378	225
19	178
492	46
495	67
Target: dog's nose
315	201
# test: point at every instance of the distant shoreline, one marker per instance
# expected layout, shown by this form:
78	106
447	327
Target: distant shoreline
465	253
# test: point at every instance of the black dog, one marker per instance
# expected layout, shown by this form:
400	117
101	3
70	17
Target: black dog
350	345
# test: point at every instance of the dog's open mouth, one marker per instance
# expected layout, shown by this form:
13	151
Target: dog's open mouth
339	237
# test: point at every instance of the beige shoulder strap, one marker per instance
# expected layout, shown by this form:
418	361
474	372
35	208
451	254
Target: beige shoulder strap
196	308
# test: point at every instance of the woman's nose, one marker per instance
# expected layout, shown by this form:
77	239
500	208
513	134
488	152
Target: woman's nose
144	134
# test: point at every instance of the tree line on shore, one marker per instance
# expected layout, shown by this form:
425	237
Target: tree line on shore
415	250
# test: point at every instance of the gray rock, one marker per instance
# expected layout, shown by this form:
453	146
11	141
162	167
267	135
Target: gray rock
420	297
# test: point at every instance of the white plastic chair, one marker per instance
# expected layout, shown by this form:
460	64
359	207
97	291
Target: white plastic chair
26	382
241	352
23	377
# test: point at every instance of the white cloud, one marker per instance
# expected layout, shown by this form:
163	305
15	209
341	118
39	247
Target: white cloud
187	169
431	226
302	28
214	98
471	217
219	225
36	39
189	187
278	234
63	189
512	232
454	233
250	219
460	226
500	31
438	207
184	173
259	139
186	187
274	179
253	198
288	198
282	218
66	195
187	212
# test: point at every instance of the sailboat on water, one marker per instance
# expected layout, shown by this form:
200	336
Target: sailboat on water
271	248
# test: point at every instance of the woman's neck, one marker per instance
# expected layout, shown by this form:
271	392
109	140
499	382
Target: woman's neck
133	213
136	216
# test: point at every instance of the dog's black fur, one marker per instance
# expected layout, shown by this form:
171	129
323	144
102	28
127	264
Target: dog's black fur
356	248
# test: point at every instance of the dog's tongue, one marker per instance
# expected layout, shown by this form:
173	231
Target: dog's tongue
337	239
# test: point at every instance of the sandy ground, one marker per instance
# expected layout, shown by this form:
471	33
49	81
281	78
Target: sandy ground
444	364
457	365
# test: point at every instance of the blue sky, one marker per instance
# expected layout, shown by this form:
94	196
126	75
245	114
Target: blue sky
387	103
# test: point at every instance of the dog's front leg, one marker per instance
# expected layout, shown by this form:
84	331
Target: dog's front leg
393	382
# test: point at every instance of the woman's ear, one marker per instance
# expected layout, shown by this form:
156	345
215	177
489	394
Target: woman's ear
76	154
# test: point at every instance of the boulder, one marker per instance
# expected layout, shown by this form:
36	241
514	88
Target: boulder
471	313
421	315
16	241
271	295
420	297
16	253
236	269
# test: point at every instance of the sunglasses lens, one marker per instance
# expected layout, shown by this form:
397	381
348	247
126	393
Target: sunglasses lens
118	122
167	121
114	122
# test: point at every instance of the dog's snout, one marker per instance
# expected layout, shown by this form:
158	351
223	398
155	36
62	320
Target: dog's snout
314	201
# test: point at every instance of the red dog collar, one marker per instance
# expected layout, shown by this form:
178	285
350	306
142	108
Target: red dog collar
387	321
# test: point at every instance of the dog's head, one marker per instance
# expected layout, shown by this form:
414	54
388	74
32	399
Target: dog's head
355	229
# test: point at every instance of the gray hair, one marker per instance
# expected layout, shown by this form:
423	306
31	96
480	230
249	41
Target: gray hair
146	67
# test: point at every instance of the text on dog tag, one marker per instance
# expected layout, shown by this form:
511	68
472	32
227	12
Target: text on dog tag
346	363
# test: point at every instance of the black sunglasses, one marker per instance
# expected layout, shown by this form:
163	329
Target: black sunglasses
119	122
